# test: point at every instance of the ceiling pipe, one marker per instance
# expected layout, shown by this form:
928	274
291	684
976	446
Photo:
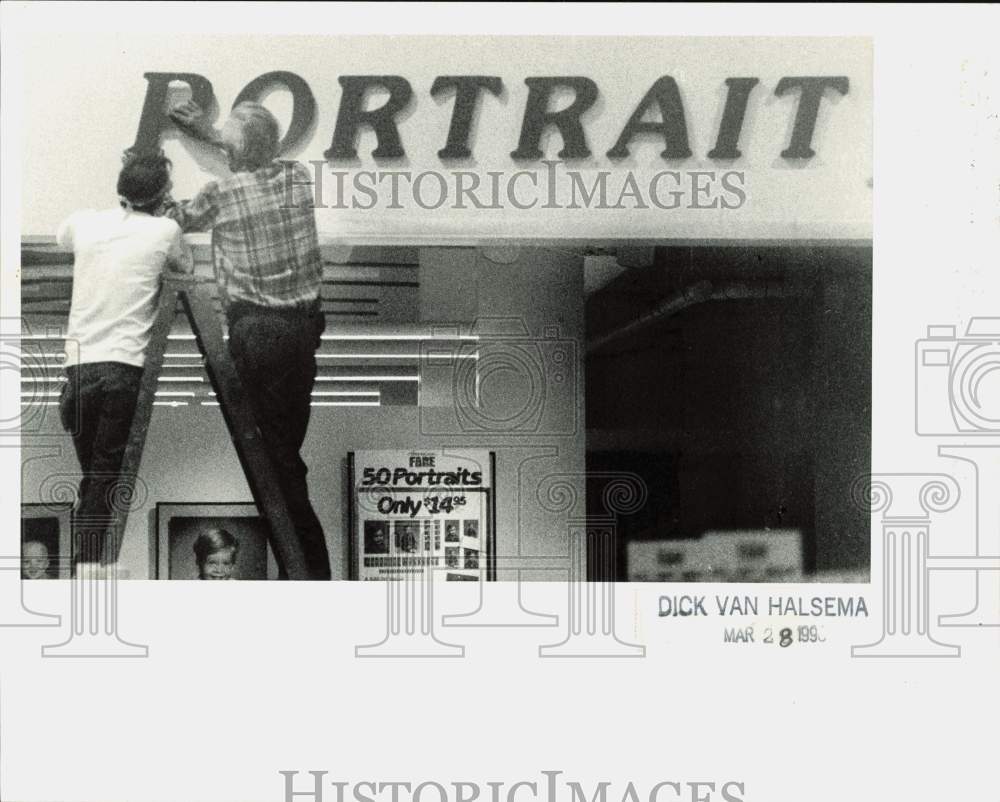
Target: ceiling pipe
701	292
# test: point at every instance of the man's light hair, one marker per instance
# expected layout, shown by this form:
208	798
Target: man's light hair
259	136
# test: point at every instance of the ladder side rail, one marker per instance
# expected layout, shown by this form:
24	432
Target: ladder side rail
253	454
132	458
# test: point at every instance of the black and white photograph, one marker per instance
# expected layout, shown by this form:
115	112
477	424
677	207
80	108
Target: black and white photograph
670	327
376	537
406	539
45	540
432	536
679	334
211	541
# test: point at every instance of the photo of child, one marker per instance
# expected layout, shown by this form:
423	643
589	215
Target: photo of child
215	553
228	545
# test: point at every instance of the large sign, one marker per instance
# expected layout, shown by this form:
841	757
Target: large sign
422	512
465	138
467	91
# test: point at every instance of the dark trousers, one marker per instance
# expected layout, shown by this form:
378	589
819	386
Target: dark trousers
274	352
96	407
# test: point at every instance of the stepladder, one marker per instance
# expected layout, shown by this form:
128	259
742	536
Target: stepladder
192	296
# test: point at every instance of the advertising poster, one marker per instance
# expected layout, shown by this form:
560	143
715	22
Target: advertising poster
420	511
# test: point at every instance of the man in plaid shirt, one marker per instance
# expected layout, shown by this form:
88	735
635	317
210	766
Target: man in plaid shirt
268	268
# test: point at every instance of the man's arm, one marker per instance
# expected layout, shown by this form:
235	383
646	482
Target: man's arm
197	214
190	117
179	258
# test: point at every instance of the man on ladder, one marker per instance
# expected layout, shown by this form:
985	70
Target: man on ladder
268	268
119	257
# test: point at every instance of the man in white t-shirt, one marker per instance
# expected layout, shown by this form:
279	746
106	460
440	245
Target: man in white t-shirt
119	257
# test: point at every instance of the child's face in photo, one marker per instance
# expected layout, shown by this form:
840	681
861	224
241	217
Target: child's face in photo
35	561
219	565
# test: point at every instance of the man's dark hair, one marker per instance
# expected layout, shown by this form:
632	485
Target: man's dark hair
143	179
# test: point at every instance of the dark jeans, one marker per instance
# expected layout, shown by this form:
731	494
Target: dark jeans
96	407
274	352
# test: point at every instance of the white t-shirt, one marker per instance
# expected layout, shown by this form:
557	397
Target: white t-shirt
119	258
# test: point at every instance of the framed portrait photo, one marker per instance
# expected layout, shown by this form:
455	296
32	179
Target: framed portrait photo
211	541
46	541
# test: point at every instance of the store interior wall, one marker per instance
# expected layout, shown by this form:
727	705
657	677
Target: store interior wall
189	456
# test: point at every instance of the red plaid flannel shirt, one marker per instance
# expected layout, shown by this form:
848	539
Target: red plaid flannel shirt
264	242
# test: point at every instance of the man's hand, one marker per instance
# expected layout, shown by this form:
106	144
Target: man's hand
190	116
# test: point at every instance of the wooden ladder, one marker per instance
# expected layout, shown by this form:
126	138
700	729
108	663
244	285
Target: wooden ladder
196	301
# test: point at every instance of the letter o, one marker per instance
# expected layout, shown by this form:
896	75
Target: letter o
303	102
442	190
443	795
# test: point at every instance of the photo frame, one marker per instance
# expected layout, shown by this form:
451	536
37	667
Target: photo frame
52	526
180	525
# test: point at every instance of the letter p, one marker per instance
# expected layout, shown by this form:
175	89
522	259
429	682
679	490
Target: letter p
154	112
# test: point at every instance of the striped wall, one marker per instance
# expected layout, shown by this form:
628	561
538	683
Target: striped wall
371	353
